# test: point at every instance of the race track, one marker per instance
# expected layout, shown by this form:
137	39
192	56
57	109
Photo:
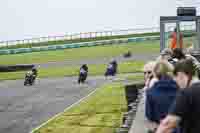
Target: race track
23	108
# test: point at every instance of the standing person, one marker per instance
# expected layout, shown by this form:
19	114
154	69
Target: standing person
185	111
160	97
174	44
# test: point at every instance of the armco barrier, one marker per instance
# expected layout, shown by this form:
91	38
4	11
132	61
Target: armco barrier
52	47
2	52
15	68
77	45
45	48
35	49
60	47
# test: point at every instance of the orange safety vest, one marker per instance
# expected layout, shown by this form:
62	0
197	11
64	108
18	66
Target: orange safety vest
174	41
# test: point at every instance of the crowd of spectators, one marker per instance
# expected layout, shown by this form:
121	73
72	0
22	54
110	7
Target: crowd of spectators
172	93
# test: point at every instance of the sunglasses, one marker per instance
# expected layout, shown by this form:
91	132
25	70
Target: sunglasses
148	72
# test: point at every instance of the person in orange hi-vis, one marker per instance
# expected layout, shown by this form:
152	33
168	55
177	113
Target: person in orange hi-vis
174	40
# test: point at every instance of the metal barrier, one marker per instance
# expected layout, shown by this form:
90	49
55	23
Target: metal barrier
32	42
79	36
77	45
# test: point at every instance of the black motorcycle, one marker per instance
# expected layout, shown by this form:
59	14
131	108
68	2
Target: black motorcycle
29	79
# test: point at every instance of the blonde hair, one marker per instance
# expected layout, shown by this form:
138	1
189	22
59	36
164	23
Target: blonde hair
149	65
162	68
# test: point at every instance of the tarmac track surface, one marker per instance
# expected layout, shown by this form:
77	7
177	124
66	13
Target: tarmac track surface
23	108
106	60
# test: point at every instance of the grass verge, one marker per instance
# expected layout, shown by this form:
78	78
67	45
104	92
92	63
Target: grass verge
125	67
96	52
99	113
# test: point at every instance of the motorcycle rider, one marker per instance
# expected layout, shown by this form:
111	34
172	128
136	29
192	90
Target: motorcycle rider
34	73
111	69
31	76
83	73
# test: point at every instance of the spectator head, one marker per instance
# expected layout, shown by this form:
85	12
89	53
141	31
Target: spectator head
148	70
162	69
166	54
178	53
184	70
189	50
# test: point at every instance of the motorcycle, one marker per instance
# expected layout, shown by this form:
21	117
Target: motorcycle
111	69
127	55
82	76
29	79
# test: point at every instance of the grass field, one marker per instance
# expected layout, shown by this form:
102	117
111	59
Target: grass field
80	53
125	67
99	113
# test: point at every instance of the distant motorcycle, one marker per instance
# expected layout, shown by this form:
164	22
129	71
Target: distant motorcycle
127	55
29	78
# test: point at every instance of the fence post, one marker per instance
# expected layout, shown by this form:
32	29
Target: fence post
90	35
95	34
7	44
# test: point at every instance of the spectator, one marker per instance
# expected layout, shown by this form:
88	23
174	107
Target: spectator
186	109
161	95
178	54
149	78
166	54
196	63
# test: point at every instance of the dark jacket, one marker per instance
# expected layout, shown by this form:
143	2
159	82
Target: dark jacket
159	98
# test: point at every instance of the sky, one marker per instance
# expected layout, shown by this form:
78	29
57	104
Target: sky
22	19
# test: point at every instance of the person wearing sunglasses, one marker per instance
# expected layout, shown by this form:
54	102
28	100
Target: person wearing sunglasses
149	78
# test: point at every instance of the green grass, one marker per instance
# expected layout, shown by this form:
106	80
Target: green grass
100	113
80	53
125	67
139	77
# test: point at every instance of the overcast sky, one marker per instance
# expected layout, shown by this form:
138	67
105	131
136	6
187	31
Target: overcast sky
34	18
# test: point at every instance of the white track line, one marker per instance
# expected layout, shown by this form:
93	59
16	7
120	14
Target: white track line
82	99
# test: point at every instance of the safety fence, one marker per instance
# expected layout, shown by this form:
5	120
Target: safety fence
78	45
70	37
